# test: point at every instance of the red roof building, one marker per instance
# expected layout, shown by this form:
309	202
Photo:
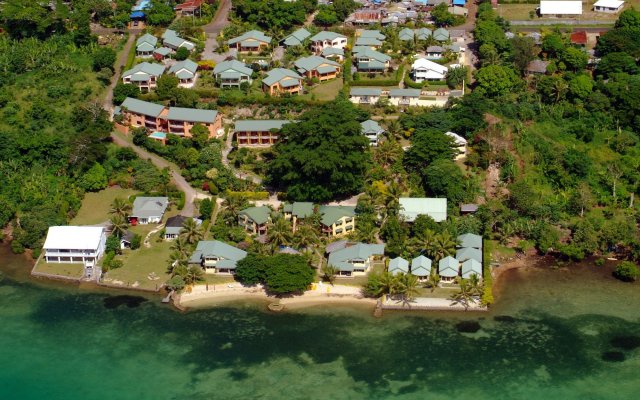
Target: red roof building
579	38
188	7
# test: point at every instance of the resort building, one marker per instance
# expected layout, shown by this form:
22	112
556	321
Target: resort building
426	70
361	95
337	220
173	226
556	8
435	52
372	130
404	97
407	35
145	45
423	34
185	71
217	257
608	6
258	133
252	41
441	35
471	267
182	120
144	75
355	260
333	53
148	210
448	269
469	253
188	8
461	144
282	81
254	220
317	67
232	73
398	265
368	60
297	38
370	33
162	53
470	240
297	211
421	267
74	244
171	40
138	113
327	39
368	41
435	208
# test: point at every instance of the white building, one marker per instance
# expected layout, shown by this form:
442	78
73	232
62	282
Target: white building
435	208
75	244
560	8
608	6
148	210
461	144
426	70
326	39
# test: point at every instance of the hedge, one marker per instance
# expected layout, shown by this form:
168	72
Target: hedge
248	195
380	82
487	295
415	85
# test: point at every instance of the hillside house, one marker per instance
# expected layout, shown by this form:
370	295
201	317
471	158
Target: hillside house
254	220
185	71
363	95
435	208
148	210
258	133
318	67
144	75
327	39
232	73
252	41
281	81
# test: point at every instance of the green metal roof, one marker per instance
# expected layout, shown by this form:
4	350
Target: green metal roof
142	107
146	207
441	34
326	69
255	35
192	115
300	209
232	65
176	41
471	267
216	248
410	208
406	34
404	93
343	258
332	51
278	74
371	33
371	65
147	38
371	127
169	33
470	240
372	54
163	51
423	33
188	65
289	82
297	37
467	253
259	125
368	41
421	266
145	68
185	75
448	267
326	35
364	91
398	265
331	214
259	215
145	47
314	62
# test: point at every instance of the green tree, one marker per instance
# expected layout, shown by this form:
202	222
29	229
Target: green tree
124	90
175	283
118	225
456	76
553	44
279	233
444	178
200	135
120	207
136	241
251	270
288	274
104	57
329	273
378	284
94	179
428	147
580	87
617	62
160	13
206	209
523	51
497	80
442	17
629	18
489	32
166	86
191	232
445	245
182	53
627	271
574	58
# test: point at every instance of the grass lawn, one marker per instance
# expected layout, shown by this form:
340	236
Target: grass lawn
328	90
439	292
138	264
63	269
95	206
214	279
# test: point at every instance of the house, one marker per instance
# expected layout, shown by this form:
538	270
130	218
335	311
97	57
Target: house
254	41
232	73
368	41
174	42
148	210
282	81
435	208
144	75
366	16
434	3
254	220
126	239
297	38
466	253
441	35
435	52
317	67
173	226
448	269
161	53
398	265
471	267
369	60
421	267
407	35
337	220
423	34
140	113
258	133
363	95
556	8
75	244
404	97
462	11
188	8
536	67
372	130
579	38
182	120
185	71
327	39
461	144
457	35
370	33
427	70
355	260
217	257
608	6
145	45
468	209
333	53
297	211
470	240
169	33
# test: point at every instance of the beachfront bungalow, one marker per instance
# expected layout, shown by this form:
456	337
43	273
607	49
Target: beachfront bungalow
435	208
470	240
232	73
282	81
254	220
144	75
333	53
448	269
75	244
185	71
407	35
148	210
461	144
469	253
426	70
326	39
421	267
318	67
372	130
145	45
404	97
471	267
398	265
337	220
363	95
258	132
368	60
182	120
252	41
297	38
138	113
355	260
297	211
608	6
173	226
217	257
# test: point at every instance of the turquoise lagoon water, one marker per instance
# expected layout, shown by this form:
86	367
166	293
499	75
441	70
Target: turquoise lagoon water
555	335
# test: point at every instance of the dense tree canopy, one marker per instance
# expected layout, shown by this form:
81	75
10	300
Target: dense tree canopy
274	15
281	273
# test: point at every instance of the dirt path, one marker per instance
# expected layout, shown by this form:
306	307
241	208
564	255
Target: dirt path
238	174
120	63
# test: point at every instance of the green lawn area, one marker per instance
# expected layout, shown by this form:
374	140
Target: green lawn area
95	206
63	269
439	292
214	279
328	90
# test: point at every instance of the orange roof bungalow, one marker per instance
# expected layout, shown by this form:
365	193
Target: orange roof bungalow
250	41
282	81
318	67
579	38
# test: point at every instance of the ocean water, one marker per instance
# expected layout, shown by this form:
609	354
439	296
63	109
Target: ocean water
556	334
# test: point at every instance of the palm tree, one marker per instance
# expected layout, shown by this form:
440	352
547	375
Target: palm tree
120	207
306	236
476	287
405	286
428	241
464	296
177	262
329	273
433	280
181	246
445	245
192	275
279	233
118	225
381	284
232	206
191	231
394	128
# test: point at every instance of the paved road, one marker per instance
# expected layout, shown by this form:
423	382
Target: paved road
213	29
